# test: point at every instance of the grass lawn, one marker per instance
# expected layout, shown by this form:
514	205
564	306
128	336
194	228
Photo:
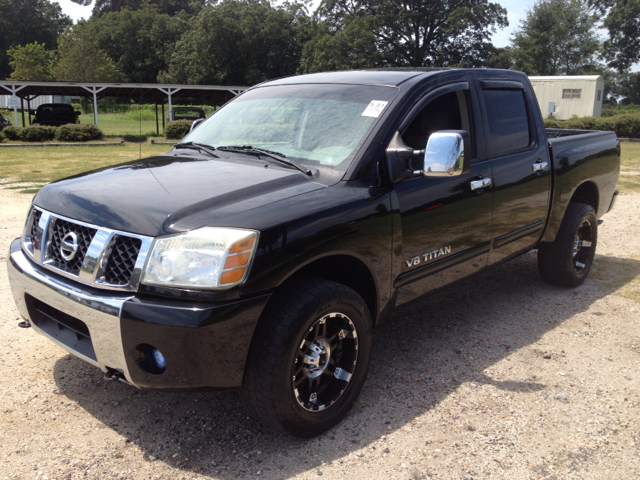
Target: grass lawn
42	165
630	156
123	124
629	180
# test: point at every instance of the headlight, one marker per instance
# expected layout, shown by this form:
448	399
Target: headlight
209	258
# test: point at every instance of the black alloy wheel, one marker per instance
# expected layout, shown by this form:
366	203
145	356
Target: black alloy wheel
325	362
567	260
582	246
309	357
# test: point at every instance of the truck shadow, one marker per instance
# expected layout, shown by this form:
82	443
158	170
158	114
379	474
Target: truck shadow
423	354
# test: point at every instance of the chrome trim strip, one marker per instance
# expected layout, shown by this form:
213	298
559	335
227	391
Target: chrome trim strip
92	269
503	240
101	314
94	254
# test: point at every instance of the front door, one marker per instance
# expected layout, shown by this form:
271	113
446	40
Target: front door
446	225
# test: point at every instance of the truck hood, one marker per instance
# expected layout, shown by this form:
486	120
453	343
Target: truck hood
168	194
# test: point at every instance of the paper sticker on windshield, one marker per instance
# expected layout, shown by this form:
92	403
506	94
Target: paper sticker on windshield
374	109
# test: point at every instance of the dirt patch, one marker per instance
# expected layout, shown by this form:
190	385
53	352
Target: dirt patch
501	376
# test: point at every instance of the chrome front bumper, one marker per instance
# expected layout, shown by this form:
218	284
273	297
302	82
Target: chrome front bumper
100	313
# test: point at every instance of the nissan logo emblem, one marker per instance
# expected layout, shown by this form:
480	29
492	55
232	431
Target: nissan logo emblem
69	246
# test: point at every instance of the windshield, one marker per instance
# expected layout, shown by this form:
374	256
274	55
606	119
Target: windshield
316	125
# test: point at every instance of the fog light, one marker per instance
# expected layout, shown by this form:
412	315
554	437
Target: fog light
158	359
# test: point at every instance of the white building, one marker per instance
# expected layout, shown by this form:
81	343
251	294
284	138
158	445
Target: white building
36	102
579	95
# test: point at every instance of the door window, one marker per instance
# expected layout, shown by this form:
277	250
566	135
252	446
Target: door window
446	112
508	119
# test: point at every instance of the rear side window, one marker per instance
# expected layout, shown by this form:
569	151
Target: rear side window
508	121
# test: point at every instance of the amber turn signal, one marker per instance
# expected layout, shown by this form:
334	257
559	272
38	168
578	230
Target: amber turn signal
232	276
239	260
242	245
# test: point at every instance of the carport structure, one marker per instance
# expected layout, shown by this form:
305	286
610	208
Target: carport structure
153	92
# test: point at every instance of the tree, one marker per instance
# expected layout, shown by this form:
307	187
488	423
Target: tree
418	33
80	58
557	37
170	7
625	88
27	21
140	42
32	62
239	42
622	21
350	48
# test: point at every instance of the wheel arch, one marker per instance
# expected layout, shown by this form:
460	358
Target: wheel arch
587	193
340	268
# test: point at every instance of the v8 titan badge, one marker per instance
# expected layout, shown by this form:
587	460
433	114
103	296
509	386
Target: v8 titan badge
426	257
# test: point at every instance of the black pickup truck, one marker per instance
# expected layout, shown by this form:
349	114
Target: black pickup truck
260	252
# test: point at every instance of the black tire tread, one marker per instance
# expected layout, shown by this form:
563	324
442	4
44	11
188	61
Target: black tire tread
270	342
554	259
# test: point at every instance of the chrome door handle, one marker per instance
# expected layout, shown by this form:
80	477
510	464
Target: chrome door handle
540	166
482	183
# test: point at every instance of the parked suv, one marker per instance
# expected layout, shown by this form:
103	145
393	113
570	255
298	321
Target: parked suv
4	122
188	113
55	114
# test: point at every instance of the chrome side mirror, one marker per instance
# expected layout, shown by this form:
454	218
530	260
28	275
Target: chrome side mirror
448	154
195	124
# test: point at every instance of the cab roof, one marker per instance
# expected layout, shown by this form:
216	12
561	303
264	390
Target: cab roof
386	77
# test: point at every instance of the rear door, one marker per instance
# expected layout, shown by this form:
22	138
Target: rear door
520	167
445	225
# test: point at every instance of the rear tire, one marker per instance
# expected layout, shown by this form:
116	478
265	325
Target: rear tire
309	358
567	260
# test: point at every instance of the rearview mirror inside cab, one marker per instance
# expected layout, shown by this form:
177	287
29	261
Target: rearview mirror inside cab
447	154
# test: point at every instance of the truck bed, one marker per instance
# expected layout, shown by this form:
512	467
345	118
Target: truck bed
578	155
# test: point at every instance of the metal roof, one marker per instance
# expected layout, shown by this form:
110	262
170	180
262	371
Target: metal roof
153	91
564	78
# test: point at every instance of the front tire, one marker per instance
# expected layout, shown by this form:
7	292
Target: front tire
567	260
309	358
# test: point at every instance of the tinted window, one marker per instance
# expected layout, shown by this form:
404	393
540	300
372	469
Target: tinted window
508	121
442	113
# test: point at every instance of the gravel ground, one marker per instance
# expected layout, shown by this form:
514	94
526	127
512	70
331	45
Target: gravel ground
502	376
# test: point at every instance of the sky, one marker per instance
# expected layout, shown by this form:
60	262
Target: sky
516	9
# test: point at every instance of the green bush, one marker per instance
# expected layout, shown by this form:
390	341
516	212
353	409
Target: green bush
37	134
78	133
134	138
613	110
177	129
625	125
12	133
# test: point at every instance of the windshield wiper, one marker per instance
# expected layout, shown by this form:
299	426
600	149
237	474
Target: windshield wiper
198	146
277	156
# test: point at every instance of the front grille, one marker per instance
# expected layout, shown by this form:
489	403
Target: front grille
110	264
34	226
69	331
84	237
121	256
